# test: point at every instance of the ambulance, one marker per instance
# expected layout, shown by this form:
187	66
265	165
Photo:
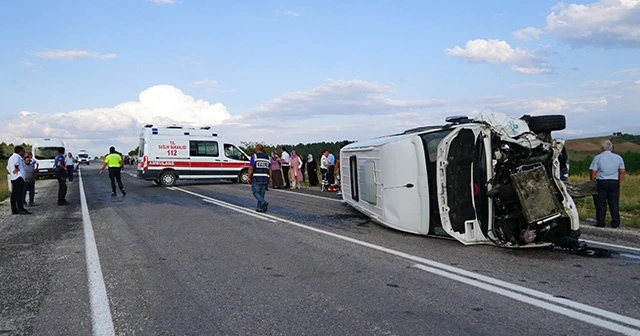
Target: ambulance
175	152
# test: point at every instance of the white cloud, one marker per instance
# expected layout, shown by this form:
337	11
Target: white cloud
552	105
529	33
605	23
28	64
529	85
159	105
635	72
291	13
57	54
490	51
205	83
339	97
163	2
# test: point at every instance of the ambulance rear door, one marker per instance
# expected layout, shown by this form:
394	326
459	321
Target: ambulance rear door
171	152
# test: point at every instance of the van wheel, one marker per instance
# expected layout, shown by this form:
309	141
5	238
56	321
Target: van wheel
243	177
546	123
168	179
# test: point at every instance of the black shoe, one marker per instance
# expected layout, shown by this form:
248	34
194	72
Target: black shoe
15	212
259	210
265	205
113	194
26	212
32	204
124	193
63	203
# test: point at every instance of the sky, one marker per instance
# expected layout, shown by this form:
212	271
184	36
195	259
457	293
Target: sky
93	72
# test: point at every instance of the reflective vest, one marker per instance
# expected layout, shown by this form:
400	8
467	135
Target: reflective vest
113	160
261	163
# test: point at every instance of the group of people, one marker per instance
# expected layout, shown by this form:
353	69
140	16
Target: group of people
287	171
290	169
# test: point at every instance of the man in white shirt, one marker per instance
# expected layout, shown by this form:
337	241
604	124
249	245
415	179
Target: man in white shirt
16	169
70	162
285	160
324	166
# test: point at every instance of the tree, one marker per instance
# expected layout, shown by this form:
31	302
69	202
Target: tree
134	152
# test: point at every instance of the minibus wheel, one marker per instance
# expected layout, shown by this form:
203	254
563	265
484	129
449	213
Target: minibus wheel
168	178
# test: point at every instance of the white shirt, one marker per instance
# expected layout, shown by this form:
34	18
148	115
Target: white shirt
324	162
16	160
69	161
286	158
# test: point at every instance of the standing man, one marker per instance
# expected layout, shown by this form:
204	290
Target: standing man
260	176
285	160
114	162
331	160
70	163
60	167
16	169
608	170
29	178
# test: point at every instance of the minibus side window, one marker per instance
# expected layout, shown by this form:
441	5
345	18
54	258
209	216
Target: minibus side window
367	182
203	148
353	170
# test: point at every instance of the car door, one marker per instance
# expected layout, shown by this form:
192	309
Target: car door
233	161
461	184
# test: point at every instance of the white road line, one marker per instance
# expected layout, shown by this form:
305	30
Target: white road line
303	194
534	302
100	311
451	269
622	247
245	212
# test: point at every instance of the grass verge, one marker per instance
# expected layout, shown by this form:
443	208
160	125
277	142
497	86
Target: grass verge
4	184
629	201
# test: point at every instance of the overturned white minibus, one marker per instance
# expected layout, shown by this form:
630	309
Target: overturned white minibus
494	179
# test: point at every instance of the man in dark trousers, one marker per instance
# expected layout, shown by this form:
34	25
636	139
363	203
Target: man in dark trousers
285	160
114	161
608	170
17	169
260	177
60	167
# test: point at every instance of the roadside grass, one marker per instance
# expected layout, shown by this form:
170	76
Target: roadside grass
629	201
4	184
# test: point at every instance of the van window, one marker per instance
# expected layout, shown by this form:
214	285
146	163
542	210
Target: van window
141	148
233	152
367	182
203	148
45	153
353	171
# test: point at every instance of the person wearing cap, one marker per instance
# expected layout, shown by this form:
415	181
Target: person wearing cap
608	170
60	167
113	161
260	177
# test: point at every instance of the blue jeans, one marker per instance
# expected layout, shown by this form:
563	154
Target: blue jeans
30	187
258	190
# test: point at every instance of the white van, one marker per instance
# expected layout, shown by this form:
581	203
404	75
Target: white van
171	153
83	157
45	151
491	180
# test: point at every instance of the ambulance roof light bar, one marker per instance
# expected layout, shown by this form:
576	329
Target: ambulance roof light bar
148	125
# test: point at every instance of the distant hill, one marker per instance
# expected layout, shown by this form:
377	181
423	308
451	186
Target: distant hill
578	149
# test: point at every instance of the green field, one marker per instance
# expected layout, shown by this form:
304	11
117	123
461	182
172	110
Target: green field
629	201
4	188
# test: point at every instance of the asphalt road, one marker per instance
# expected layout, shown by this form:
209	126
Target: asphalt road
198	260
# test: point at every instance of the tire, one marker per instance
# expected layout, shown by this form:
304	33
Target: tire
168	178
546	123
243	177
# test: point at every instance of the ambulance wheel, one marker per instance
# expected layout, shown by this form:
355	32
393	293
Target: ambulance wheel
168	179
243	177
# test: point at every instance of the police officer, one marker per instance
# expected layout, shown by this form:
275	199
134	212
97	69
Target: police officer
608	170
260	177
60	167
114	161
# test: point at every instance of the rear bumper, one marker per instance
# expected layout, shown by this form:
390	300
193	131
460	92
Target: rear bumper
46	172
148	175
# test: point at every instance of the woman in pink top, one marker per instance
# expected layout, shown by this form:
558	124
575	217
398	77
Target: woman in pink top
276	175
295	173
